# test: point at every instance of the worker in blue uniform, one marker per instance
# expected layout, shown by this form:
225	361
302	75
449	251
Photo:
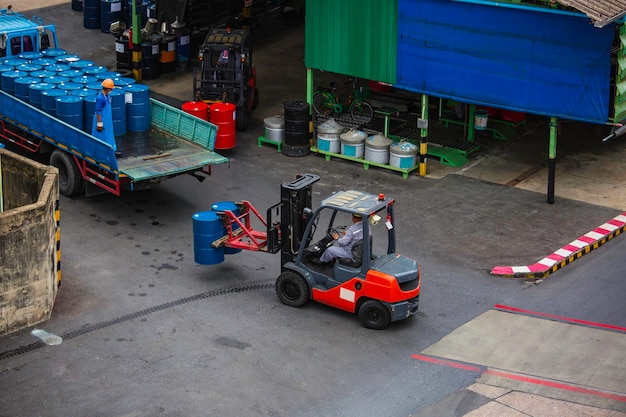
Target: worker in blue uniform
103	117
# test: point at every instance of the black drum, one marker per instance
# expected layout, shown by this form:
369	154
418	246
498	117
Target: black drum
297	135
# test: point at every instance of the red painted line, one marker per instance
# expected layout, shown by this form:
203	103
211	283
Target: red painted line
616	222
559	318
558	385
451	364
522	378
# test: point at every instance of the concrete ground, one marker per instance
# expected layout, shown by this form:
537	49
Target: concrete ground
588	171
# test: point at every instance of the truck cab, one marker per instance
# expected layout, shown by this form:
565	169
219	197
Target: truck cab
18	34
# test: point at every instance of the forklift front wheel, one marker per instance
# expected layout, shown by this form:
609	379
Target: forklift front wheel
292	289
374	315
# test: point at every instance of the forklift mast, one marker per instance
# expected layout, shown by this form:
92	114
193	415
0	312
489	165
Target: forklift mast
296	199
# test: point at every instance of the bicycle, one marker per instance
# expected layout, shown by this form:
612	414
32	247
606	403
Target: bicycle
327	101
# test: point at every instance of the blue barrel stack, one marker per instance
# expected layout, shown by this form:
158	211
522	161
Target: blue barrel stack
65	86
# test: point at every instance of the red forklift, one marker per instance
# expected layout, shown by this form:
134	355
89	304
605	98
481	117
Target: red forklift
226	72
379	285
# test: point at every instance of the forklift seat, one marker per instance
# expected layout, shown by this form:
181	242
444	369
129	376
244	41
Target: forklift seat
357	255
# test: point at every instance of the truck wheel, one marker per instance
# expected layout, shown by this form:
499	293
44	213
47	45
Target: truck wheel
292	289
374	315
70	180
242	117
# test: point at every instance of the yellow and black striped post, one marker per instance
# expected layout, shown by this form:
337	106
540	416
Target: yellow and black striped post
57	219
424	136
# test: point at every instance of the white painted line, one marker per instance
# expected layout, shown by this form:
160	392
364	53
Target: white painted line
595	235
563	252
520	269
547	262
579	244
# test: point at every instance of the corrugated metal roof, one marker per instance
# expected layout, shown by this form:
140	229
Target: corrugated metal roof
601	12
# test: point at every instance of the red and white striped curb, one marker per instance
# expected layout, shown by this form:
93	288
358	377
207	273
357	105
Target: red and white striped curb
567	253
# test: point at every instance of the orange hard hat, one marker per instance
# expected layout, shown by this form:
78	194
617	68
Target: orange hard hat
108	83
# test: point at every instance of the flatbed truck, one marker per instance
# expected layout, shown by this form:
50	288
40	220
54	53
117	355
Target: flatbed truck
176	142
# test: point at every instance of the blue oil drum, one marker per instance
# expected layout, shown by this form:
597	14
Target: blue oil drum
70	110
71	73
4	68
81	64
123	81
110	11
107	74
49	100
35	92
83	92
138	107
77	5
97	85
95	70
12	62
91	14
53	52
207	228
89	106
69	86
20	87
8	79
28	67
67	59
55	79
118	110
30	56
84	79
183	45
42	73
58	67
44	61
228	205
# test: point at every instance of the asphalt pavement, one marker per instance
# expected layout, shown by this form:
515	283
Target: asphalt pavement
126	258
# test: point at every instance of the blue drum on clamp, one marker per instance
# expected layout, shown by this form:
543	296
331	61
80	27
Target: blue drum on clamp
207	228
230	206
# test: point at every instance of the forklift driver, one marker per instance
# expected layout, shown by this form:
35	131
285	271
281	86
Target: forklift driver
351	237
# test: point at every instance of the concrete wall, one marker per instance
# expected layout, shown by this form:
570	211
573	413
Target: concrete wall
30	269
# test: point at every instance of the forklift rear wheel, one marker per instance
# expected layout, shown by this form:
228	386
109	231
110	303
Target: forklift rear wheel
242	117
292	289
70	180
374	315
255	101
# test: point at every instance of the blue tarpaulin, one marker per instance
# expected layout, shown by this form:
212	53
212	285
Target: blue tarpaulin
514	58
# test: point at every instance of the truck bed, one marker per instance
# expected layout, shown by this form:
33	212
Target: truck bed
177	142
154	154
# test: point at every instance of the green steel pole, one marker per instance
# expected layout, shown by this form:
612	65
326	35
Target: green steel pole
471	133
424	136
552	159
136	43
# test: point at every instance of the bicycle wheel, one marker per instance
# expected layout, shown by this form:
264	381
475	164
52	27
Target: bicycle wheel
361	112
323	103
